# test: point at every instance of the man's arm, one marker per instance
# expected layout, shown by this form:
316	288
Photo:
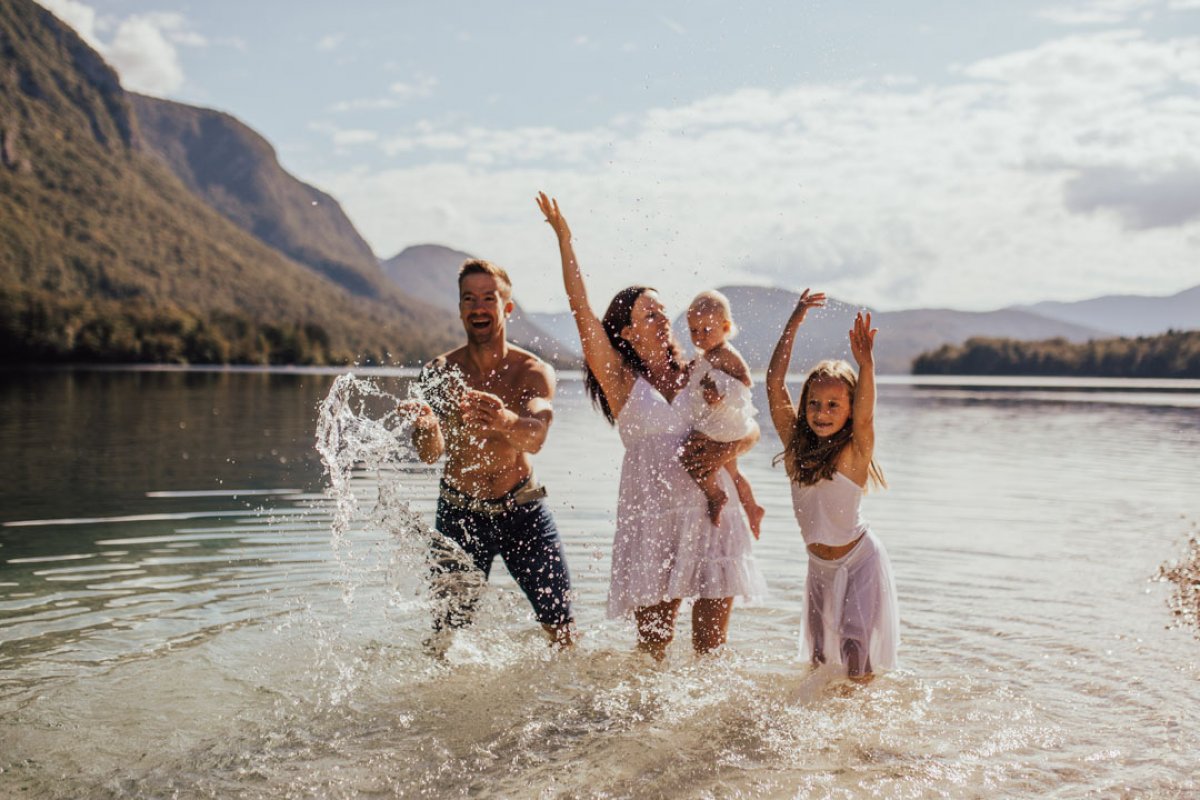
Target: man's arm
426	430
524	428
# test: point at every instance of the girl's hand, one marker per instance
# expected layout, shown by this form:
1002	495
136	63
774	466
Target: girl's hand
554	217
807	301
862	339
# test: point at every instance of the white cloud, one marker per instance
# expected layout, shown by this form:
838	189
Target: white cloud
1096	12
365	104
330	42
672	25
353	137
1042	173
142	47
79	16
421	86
145	57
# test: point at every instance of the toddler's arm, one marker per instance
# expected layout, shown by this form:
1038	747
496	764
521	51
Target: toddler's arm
728	360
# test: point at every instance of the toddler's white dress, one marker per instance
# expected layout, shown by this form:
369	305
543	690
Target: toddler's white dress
729	419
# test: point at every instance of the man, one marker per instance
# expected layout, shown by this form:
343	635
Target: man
488	429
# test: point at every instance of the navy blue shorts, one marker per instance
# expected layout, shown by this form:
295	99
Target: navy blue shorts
527	539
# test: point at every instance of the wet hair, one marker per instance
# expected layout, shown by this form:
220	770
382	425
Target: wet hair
712	300
618	317
477	266
806	457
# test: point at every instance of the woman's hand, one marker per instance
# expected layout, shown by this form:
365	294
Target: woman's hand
807	300
554	217
862	339
701	455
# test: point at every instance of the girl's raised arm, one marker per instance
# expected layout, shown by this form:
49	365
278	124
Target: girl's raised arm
779	399
602	358
862	346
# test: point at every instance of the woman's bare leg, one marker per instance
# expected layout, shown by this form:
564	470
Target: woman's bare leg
710	623
656	627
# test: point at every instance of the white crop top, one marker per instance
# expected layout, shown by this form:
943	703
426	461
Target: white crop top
828	511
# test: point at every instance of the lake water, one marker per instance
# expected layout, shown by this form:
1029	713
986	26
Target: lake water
178	617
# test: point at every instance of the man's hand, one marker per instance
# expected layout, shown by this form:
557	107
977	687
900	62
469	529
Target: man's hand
419	414
486	413
426	430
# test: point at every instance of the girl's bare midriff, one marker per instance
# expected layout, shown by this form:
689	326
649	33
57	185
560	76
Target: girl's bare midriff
827	552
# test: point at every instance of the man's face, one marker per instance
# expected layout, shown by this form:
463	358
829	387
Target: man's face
482	306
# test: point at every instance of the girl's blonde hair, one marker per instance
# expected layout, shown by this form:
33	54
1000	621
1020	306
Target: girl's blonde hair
806	458
712	300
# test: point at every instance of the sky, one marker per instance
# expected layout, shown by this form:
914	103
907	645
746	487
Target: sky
897	154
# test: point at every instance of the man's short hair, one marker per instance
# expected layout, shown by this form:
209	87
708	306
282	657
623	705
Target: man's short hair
477	266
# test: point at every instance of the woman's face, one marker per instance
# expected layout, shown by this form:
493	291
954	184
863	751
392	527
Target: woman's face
649	329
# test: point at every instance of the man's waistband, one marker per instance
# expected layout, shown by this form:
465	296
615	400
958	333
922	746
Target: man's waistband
526	492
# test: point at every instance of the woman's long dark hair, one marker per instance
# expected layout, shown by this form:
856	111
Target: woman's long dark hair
806	458
618	317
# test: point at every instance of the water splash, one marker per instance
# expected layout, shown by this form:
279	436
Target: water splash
1184	601
364	431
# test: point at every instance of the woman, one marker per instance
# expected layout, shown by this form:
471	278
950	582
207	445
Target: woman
665	548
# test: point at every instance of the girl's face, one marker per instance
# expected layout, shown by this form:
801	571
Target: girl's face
827	409
648	330
708	326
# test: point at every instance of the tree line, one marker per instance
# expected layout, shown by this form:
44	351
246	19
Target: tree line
1175	354
39	327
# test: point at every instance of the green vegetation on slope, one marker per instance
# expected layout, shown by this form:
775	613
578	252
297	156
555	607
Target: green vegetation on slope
100	240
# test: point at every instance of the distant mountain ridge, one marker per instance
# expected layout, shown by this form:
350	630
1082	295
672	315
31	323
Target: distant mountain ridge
1129	315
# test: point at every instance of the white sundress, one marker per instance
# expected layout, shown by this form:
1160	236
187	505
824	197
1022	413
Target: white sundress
665	547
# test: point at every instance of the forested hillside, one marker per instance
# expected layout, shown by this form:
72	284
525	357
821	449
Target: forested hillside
1175	354
106	255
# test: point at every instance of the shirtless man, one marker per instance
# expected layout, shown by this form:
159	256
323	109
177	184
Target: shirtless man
489	503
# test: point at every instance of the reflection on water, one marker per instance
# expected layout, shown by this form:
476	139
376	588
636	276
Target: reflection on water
177	619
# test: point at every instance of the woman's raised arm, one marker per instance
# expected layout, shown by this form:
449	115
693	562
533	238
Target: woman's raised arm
602	358
779	399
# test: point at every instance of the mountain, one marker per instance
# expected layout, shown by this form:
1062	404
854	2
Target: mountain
761	313
234	170
904	335
560	325
430	272
1129	315
105	254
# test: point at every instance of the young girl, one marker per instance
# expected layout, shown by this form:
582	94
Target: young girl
718	401
829	442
